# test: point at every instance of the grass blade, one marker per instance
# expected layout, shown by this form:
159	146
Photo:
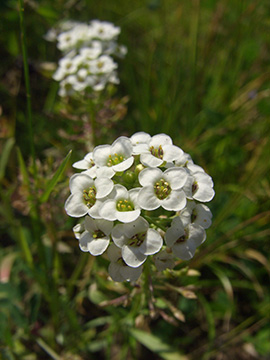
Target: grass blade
52	183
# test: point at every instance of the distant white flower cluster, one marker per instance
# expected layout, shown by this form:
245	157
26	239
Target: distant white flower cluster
135	194
88	49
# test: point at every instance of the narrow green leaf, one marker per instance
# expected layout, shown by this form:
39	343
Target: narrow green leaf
5	156
23	168
52	183
155	344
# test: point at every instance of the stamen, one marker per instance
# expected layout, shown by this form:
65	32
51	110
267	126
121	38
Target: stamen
162	189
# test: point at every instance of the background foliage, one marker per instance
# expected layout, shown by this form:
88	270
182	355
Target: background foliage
196	70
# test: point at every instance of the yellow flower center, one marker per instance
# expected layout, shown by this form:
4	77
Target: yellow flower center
162	189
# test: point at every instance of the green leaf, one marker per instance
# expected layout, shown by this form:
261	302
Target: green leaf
155	344
5	156
23	168
52	183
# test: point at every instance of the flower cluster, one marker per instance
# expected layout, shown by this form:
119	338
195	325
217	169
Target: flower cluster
87	64
135	195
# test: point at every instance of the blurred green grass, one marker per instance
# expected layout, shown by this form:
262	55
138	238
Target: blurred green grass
198	71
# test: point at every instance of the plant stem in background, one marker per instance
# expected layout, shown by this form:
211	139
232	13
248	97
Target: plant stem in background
27	85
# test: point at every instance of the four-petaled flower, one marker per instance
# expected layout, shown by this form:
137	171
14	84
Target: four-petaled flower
117	156
123	206
86	195
96	237
118	269
162	189
183	240
137	241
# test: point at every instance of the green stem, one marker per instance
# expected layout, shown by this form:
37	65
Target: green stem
27	86
156	223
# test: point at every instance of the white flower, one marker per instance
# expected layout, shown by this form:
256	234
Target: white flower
195	213
158	150
122	205
140	138
199	186
78	230
86	163
102	65
137	241
162	189
183	160
118	269
96	237
163	260
184	240
104	30
118	156
86	195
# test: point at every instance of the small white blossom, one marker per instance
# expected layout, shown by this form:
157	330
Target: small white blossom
137	241
157	151
117	156
195	213
118	269
86	195
96	237
104	30
184	240
122	205
163	260
162	189
199	186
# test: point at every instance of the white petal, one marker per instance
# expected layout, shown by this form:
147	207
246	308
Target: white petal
103	187
150	160
114	253
98	246
163	261
171	152
101	154
204	193
75	205
160	139
81	164
138	226
149	176
175	201
174	232
124	165
152	243
194	168
105	226
133	195
131	274
105	171
176	177
94	210
121	192
115	272
132	256
80	182
128	216
185	250
140	138
203	216
118	235
107	210
147	199
122	146
78	230
90	224
140	149
197	234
